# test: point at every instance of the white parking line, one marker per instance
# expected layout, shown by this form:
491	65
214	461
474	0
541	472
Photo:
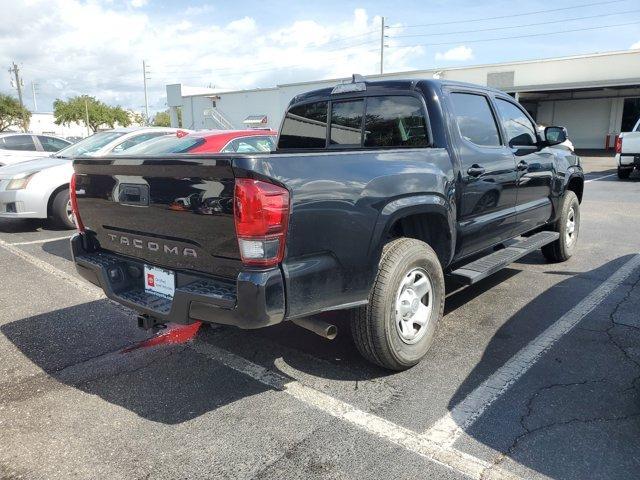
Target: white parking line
414	442
449	428
600	178
47	267
44	240
447	456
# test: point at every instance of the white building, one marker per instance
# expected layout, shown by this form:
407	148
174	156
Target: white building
595	96
44	123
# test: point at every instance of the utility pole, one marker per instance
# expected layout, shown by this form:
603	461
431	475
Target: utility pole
34	85
381	45
145	77
16	72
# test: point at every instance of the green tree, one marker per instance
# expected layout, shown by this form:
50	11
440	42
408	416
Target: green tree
11	113
76	109
163	119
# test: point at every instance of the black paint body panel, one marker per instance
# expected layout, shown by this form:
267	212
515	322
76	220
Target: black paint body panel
343	203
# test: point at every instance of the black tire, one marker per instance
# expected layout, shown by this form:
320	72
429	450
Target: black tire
562	249
59	210
624	173
374	326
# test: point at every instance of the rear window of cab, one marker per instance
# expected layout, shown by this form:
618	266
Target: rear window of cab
370	122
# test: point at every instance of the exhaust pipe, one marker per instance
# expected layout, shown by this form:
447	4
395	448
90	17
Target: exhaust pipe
318	327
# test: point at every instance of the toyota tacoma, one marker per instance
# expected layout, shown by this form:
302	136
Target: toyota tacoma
377	191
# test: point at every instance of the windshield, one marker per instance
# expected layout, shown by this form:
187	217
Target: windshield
167	144
89	145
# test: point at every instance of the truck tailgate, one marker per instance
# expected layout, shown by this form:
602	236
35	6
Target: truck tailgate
174	212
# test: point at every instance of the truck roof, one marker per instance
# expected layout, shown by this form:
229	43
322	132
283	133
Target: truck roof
382	86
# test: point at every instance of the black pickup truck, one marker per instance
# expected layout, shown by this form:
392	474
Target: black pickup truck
376	192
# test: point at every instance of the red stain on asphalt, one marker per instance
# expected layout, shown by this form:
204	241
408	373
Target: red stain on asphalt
174	334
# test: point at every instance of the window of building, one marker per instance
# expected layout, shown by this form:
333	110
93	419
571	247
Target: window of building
305	126
475	119
395	121
520	130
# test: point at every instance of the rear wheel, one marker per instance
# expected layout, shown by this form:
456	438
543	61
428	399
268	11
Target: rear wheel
568	226
62	214
397	327
624	173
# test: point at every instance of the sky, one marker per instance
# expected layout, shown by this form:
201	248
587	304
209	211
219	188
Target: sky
96	47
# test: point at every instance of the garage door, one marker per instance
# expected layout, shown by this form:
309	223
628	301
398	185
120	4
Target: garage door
587	121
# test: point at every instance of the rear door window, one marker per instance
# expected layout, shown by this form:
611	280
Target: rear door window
346	122
52	144
475	119
19	142
395	121
305	126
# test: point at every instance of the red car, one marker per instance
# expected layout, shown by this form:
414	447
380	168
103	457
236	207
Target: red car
209	141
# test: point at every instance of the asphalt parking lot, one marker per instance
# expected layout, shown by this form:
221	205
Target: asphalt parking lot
535	373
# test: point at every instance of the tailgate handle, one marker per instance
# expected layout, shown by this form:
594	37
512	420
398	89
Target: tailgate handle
130	194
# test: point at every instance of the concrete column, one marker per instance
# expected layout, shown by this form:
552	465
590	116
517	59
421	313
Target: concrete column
173	115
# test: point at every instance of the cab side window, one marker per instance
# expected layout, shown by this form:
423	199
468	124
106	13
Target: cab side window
395	121
305	126
475	119
520	130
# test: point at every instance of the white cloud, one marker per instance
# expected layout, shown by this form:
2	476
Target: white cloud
60	45
457	54
138	3
635	45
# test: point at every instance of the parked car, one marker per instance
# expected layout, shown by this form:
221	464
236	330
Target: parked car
17	147
210	141
39	188
366	212
628	152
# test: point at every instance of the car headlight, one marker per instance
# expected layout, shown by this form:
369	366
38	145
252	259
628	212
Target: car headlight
20	181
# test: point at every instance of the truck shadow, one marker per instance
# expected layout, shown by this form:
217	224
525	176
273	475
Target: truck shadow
59	248
83	347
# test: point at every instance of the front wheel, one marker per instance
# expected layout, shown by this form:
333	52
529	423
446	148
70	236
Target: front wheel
568	226
61	210
397	327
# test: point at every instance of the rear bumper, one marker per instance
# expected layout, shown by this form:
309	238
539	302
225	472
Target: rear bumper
255	300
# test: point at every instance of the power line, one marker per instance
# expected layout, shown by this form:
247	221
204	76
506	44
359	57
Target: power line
584	5
516	36
547	22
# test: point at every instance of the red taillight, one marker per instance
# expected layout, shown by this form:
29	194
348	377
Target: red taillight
74	203
261	212
618	144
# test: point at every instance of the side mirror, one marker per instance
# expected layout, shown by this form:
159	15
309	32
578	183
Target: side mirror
555	135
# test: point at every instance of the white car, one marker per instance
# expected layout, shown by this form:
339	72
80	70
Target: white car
628	152
17	147
39	188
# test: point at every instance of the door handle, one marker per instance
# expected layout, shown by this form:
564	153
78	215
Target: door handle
475	170
522	166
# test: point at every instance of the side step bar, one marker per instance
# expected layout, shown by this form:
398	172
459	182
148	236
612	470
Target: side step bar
483	267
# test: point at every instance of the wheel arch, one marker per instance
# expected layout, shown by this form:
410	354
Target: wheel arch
429	218
575	183
52	196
